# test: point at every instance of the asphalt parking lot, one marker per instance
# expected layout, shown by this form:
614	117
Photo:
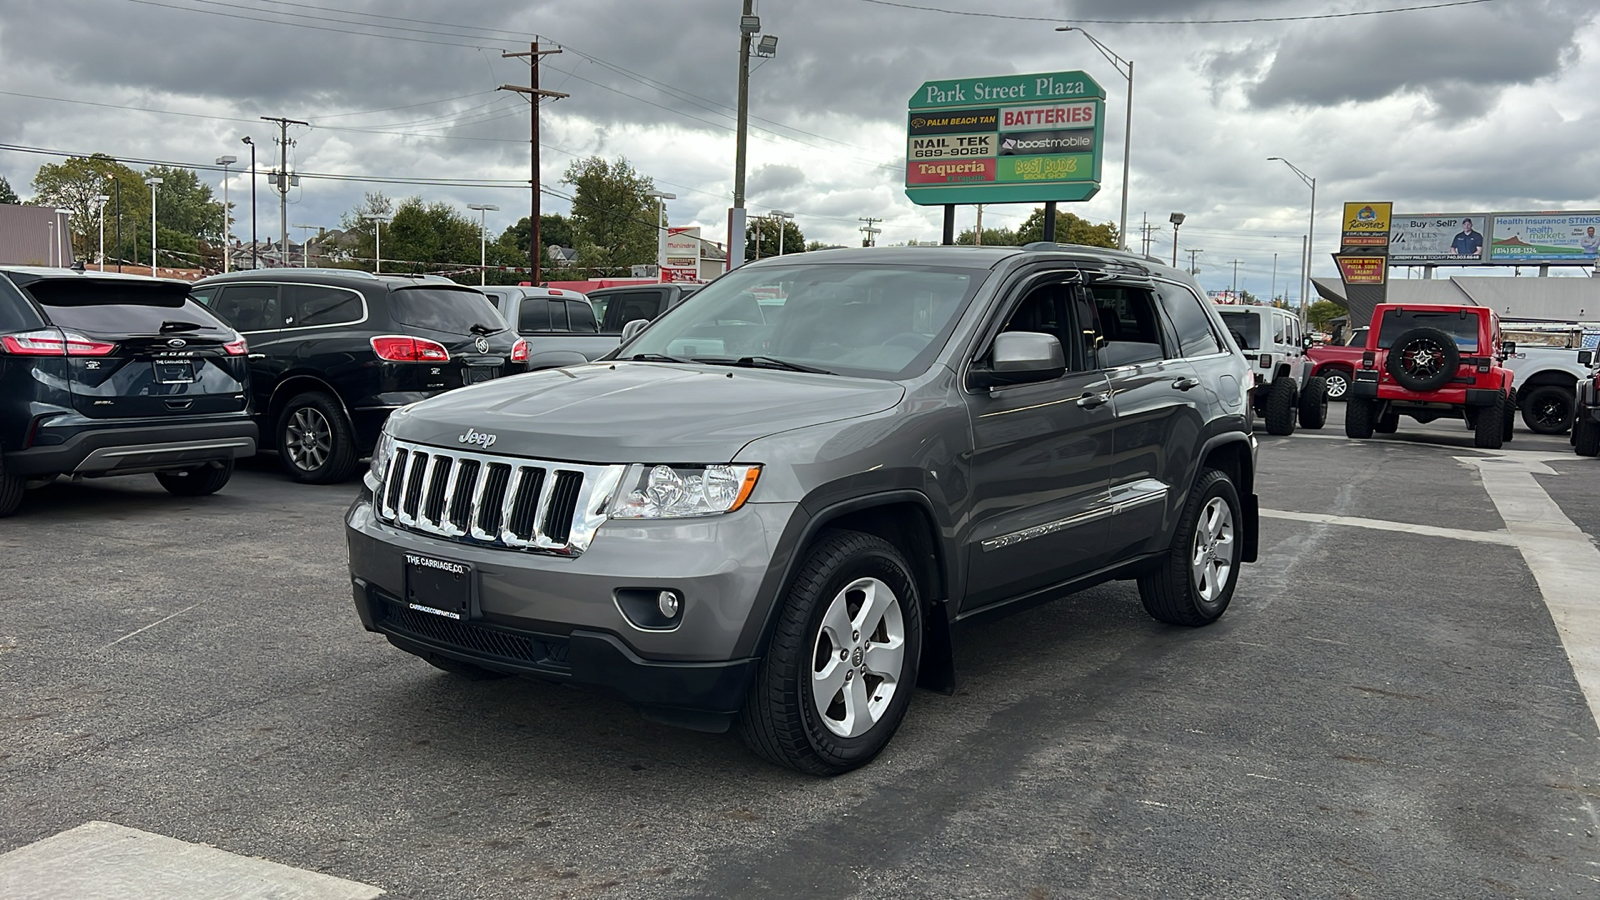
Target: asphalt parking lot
1388	710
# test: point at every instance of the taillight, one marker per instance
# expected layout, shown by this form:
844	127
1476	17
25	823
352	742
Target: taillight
1368	359
519	351
1266	361
397	348
237	348
50	342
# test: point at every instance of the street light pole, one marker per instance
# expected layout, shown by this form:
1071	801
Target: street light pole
782	218
153	181
1311	232
483	239
255	251
227	217
377	239
1118	63
661	229
101	200
305	244
1176	219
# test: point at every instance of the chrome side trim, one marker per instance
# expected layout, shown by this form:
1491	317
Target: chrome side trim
1109	508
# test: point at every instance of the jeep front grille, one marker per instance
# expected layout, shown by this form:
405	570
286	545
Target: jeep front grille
500	501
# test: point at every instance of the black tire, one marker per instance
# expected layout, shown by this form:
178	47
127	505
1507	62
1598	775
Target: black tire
1171	593
1280	407
1423	359
1358	418
1314	403
316	443
198	481
1509	420
12	487
1547	408
1388	423
1338	381
1585	438
1491	422
464	670
781	721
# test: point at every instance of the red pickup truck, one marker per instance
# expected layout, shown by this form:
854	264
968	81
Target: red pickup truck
1336	363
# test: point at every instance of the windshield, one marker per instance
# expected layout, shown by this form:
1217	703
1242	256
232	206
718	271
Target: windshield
1462	326
443	309
1245	328
1358	338
870	320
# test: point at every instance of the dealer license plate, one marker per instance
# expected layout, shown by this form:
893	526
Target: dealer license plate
439	587
174	372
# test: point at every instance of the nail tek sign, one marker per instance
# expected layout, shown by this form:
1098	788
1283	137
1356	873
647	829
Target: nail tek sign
1007	139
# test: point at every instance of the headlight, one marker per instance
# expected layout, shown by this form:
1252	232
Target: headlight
381	454
665	492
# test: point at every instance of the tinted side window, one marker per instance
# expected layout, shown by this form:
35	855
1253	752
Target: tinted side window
311	304
15	313
580	317
1130	323
1278	335
250	307
534	315
625	307
1188	314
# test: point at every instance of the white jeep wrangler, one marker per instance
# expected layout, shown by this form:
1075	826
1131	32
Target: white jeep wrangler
1285	390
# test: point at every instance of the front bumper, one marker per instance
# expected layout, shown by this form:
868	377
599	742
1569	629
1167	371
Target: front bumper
558	618
124	448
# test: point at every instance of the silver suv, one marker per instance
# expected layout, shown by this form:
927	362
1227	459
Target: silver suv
777	505
1285	390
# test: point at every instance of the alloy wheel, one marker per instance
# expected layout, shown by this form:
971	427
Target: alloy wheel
309	437
1211	562
1338	385
858	657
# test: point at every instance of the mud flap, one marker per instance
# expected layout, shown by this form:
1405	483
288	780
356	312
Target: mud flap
1252	528
937	670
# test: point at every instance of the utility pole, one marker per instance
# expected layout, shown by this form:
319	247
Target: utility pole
1193	269
283	181
1236	279
977	234
534	94
1272	293
871	233
749	25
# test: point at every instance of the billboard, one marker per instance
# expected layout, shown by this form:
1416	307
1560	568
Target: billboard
681	258
1366	225
1540	238
1005	139
1361	269
1447	239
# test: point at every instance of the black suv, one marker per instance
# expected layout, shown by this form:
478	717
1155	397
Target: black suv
105	374
334	351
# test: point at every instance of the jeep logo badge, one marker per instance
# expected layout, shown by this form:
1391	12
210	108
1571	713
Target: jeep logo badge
481	343
175	343
473	436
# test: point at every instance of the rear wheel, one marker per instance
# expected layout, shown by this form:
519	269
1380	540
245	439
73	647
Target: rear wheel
1491	420
1195	583
1314	403
1586	437
1547	409
11	490
198	481
843	660
1388	423
1280	407
315	441
1358	418
1338	381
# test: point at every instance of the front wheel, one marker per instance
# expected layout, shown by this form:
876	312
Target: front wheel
1547	409
1195	583
12	488
843	660
198	481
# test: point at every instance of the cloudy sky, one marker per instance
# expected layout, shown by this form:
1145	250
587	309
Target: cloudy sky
1483	105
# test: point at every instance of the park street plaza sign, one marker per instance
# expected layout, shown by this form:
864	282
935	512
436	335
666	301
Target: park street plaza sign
1005	139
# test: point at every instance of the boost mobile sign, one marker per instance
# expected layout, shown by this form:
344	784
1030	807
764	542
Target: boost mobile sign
1006	139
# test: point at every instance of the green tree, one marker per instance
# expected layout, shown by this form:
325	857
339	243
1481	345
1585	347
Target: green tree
1070	229
355	222
794	241
613	216
1321	313
7	195
511	247
998	237
188	221
78	183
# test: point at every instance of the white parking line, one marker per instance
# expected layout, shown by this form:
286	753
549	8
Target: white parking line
1459	534
1563	559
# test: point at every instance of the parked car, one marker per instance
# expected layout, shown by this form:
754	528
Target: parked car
775	505
1284	390
1586	419
560	327
1433	362
105	374
1545	360
334	351
1336	363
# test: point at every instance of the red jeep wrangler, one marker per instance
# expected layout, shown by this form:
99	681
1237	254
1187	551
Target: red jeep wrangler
1433	362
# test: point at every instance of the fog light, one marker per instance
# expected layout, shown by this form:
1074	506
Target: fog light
667	602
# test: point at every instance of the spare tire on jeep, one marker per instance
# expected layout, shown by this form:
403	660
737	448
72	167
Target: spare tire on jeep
1423	359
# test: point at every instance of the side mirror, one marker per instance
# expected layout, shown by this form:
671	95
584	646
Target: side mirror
1509	348
1306	342
1586	357
1021	357
632	329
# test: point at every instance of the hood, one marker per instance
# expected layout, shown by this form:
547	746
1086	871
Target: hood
638	412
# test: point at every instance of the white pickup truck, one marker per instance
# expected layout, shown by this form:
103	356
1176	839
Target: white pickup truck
1545	360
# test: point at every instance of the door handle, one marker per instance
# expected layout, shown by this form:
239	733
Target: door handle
1090	401
1185	384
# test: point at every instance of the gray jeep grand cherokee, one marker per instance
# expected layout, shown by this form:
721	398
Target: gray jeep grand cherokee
774	506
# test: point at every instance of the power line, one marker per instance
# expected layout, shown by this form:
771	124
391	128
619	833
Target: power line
1248	21
392	37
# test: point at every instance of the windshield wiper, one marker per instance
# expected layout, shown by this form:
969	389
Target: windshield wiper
772	362
658	357
169	327
481	328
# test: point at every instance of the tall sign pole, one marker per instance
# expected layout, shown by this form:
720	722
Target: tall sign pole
534	94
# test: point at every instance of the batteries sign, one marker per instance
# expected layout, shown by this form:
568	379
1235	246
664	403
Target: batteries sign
1028	139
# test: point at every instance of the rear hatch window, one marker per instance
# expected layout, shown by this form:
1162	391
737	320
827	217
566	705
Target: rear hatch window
1462	327
1245	328
135	308
444	310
